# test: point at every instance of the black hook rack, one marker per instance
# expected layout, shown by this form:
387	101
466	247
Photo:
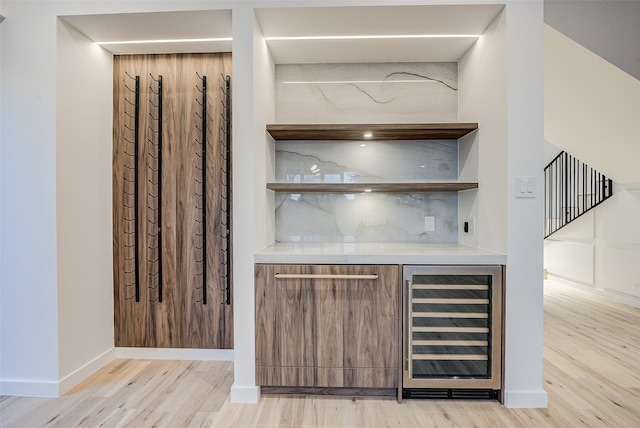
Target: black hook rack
202	116
131	252
225	154
154	196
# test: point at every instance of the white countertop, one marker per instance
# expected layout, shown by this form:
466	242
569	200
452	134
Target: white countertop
383	253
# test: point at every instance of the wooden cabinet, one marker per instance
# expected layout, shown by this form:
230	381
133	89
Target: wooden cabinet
327	325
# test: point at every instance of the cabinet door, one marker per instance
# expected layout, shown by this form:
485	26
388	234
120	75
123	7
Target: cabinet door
371	328
299	322
335	320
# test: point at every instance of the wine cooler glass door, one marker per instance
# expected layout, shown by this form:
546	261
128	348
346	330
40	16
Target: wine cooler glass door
452	326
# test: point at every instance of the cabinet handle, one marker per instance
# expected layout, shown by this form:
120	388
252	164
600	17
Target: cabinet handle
408	328
322	276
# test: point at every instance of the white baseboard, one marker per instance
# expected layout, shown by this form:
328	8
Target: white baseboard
52	388
625	299
245	394
175	354
77	376
30	388
536	399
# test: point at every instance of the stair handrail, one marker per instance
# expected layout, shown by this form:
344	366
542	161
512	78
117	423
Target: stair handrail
572	188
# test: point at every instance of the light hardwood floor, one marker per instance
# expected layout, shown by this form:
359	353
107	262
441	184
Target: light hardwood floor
591	373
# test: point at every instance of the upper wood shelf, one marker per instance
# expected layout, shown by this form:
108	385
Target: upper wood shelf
370	187
356	132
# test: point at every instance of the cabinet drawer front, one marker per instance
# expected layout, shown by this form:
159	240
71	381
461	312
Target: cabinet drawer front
327	377
285	376
371	377
328	317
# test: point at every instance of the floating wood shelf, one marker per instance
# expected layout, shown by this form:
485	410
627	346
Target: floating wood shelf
370	187
356	132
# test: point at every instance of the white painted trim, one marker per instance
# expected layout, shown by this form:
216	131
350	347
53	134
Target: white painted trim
617	297
245	394
46	388
175	354
526	399
30	388
74	378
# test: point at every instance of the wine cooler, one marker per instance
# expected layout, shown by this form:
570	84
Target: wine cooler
452	327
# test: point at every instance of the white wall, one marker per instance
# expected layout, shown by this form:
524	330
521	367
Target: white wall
525	217
570	252
600	251
29	287
501	83
608	28
483	156
253	209
84	207
264	151
591	108
1	320
55	260
591	111
38	282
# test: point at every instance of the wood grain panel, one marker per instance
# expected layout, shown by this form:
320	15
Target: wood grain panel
181	319
296	320
285	376
204	321
371	321
321	377
364	377
329	392
329	303
268	345
332	325
408	131
330	377
370	187
131	325
167	314
371	377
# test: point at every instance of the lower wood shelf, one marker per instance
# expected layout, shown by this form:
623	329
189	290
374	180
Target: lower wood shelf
370	187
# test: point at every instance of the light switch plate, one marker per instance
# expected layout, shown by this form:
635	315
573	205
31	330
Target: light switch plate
526	187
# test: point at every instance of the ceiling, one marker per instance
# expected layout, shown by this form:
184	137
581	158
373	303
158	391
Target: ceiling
607	28
304	21
379	20
205	24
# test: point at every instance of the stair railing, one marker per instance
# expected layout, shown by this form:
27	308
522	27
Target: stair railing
571	189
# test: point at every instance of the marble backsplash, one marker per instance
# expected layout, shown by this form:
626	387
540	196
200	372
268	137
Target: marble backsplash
368	217
366	161
366	93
